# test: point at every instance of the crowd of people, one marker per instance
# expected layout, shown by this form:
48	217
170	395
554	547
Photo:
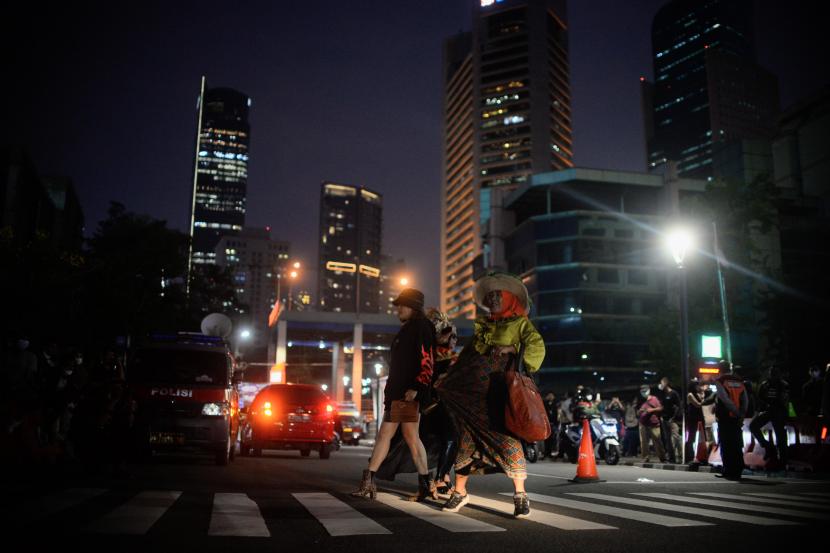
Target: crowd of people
649	423
61	410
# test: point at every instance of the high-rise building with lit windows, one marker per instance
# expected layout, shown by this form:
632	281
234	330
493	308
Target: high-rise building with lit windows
351	223
220	174
708	93
507	115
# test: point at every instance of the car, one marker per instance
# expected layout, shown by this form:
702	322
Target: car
185	394
290	416
349	426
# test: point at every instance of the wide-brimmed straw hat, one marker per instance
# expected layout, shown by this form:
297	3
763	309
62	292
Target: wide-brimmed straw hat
501	281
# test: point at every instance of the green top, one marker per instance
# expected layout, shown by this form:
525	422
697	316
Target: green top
510	332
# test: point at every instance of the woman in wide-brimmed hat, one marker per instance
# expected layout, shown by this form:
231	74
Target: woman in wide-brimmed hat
474	392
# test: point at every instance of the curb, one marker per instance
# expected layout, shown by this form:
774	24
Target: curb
711	469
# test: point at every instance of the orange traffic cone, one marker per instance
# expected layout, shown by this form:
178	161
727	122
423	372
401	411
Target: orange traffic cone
702	456
586	469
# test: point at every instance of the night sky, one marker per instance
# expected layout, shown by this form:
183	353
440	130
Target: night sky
342	91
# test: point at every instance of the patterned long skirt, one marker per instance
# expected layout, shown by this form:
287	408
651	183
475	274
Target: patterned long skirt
474	395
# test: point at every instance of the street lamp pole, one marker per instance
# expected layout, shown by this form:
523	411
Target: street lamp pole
684	353
680	241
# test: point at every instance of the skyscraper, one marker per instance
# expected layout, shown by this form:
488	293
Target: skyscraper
220	174
708	91
351	222
506	116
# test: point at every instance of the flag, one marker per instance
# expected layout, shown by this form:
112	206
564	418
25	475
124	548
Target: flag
275	314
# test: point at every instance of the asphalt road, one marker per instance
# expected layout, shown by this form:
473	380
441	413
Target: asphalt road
283	502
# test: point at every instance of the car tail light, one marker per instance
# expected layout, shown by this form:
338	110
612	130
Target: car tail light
266	409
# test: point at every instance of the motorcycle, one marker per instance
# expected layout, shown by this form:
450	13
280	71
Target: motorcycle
604	437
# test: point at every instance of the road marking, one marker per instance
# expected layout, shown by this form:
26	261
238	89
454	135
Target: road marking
739	506
453	522
235	514
708	513
49	505
650	518
138	515
337	517
774	498
542	517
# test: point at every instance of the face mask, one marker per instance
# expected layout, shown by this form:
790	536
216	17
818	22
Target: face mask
662	386
644	394
589	397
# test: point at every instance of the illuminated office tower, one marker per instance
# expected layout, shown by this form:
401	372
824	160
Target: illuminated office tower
220	173
709	99
351	221
506	116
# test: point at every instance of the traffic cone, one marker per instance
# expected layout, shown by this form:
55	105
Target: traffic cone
702	455
586	468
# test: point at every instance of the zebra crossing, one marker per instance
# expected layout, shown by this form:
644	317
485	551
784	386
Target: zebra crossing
337	515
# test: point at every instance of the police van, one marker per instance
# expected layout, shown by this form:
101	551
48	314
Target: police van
186	398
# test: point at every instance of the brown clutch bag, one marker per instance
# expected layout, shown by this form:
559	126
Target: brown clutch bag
404	411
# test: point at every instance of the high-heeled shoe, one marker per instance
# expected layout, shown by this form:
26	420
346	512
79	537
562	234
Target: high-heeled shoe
367	489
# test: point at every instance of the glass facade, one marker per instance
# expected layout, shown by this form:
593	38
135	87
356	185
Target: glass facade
220	170
351	220
596	277
683	34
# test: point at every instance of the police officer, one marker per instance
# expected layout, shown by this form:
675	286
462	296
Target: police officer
773	399
730	408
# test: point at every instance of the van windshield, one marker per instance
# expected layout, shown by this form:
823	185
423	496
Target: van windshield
181	367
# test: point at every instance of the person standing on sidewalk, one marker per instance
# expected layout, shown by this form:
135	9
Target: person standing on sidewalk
649	417
773	399
730	409
410	378
670	419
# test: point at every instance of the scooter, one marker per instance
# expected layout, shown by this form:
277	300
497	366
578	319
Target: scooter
604	436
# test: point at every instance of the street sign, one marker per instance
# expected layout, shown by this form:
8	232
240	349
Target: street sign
710	346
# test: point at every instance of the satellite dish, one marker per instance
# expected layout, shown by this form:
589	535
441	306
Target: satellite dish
217	324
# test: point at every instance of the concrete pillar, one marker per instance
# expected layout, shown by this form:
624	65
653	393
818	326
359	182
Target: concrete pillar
357	366
338	371
278	375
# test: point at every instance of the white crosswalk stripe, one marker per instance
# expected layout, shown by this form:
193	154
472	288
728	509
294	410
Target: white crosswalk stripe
775	499
338	518
739	506
235	514
641	516
452	522
708	513
52	504
138	515
542	517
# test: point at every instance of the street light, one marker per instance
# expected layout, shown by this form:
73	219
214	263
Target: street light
293	275
679	241
404	281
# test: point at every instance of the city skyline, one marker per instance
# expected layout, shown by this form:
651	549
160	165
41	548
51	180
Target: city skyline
333	100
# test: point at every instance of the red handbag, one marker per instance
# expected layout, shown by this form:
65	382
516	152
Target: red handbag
525	415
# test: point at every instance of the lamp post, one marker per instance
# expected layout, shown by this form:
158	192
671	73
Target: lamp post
680	241
292	276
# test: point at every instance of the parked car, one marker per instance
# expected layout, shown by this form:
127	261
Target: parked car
290	416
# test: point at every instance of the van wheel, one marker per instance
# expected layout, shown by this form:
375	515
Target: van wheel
305	452
325	452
